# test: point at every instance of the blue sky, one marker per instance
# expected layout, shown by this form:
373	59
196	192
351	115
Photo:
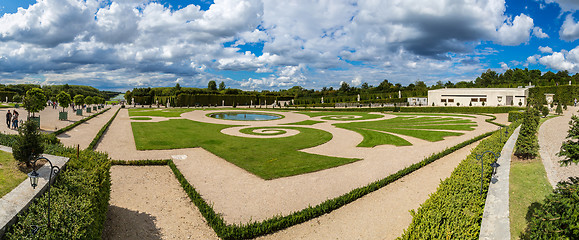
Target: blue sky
269	44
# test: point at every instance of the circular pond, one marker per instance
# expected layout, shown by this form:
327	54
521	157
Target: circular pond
245	116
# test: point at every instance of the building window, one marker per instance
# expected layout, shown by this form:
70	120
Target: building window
443	100
474	99
483	99
450	100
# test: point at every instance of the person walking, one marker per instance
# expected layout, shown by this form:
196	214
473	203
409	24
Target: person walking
15	120
8	118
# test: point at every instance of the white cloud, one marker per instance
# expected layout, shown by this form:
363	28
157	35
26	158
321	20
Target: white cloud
538	32
532	59
515	32
570	29
545	49
564	60
504	66
357	81
566	5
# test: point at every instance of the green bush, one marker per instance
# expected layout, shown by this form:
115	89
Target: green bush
527	145
79	198
545	111
29	143
515	115
557	216
455	210
559	109
570	147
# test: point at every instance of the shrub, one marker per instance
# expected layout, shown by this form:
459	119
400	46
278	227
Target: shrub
545	111
559	109
515	115
29	143
527	144
557	217
565	107
570	147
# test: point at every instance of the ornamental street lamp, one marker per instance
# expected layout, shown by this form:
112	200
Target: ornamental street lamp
494	165
34	181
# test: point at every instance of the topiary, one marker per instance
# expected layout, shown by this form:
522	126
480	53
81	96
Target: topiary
35	100
63	99
527	144
29	143
545	111
570	147
559	109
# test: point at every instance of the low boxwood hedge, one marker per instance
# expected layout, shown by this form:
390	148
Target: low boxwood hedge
455	210
99	135
71	126
255	229
79	198
515	115
466	110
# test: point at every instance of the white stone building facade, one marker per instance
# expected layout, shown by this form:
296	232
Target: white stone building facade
478	97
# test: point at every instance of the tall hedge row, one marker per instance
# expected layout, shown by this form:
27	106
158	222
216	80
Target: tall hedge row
455	210
564	94
190	100
466	110
515	115
79	198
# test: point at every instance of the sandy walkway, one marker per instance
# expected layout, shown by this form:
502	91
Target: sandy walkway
551	135
147	202
383	214
256	199
48	119
84	133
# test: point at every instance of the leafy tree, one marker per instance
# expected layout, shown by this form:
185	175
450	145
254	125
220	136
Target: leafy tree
221	86
89	100
17	98
79	100
35	100
63	99
29	143
212	86
570	147
344	87
128	97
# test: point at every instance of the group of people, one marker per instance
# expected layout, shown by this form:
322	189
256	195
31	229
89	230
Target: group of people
12	119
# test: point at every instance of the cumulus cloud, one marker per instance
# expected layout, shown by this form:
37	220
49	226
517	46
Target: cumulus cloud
570	29
515	32
538	32
566	5
545	49
564	60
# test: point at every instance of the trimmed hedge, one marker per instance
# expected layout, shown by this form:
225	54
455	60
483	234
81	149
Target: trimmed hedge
455	210
255	229
518	115
71	126
466	110
99	135
79	198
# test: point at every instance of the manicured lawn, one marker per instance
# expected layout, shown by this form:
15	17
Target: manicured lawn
171	112
306	122
267	158
432	114
141	118
273	131
376	132
528	184
337	115
10	175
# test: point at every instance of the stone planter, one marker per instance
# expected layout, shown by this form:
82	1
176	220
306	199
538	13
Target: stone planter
94	108
88	110
63	116
79	112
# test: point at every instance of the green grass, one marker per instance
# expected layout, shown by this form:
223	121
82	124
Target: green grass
171	112
528	184
10	175
376	132
141	118
274	131
432	114
267	158
328	115
306	122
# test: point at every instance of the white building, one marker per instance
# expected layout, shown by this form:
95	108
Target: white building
478	97
417	101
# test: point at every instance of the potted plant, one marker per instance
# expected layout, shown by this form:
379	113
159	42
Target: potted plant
79	101
88	101
34	101
64	101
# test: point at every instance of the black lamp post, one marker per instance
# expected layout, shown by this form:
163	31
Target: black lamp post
494	165
34	180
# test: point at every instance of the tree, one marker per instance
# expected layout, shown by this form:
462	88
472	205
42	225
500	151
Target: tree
89	100
212	86
28	143
128	97
63	99
570	147
79	100
221	86
34	101
527	145
344	87
559	109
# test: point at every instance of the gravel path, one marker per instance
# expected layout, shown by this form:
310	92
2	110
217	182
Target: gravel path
147	202
84	133
48	119
552	133
256	199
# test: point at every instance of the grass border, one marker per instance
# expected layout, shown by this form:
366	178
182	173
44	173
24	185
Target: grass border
99	135
276	223
71	126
